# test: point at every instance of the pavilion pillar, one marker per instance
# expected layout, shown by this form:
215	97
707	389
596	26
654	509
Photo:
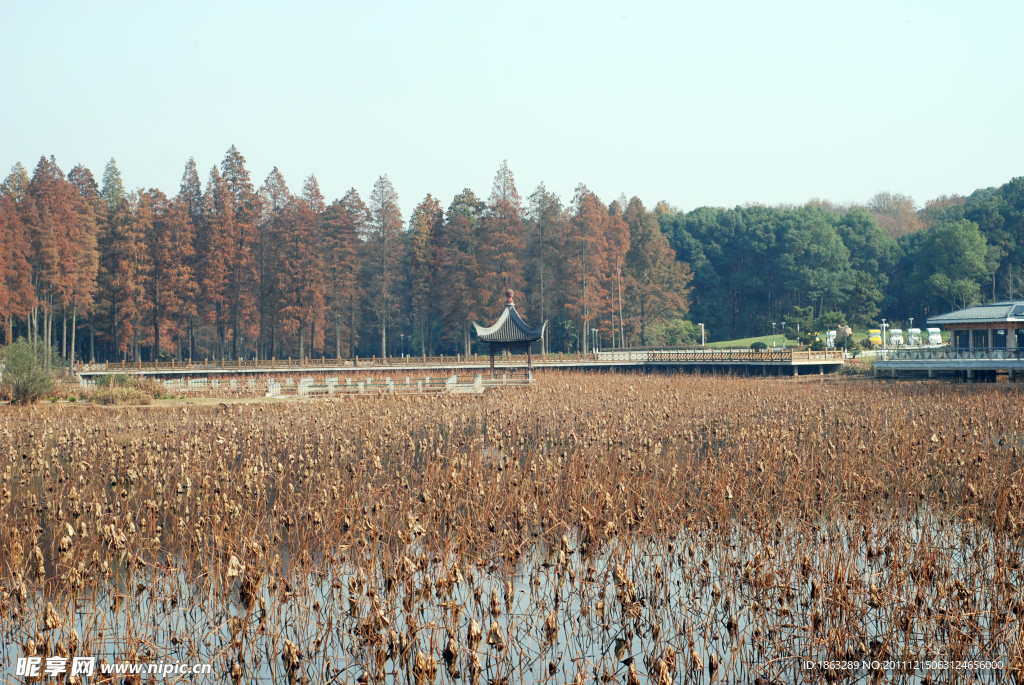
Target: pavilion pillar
492	362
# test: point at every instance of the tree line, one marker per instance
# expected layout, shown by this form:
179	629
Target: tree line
821	265
229	270
233	271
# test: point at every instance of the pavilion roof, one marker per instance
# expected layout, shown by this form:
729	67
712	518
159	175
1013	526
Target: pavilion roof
509	327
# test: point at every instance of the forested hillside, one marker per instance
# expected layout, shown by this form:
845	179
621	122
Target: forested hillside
229	269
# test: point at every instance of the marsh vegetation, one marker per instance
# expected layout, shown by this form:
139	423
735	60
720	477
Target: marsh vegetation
594	528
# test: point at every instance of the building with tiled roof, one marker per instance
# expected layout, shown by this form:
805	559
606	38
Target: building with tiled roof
509	333
985	341
999	325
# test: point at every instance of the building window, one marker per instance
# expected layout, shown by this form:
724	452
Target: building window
999	337
981	339
1020	337
962	339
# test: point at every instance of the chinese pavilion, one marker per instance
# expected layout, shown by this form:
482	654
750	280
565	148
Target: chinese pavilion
509	333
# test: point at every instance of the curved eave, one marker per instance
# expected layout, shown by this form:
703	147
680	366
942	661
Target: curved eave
533	333
491	330
509	328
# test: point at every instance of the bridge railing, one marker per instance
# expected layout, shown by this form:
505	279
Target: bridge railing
334	362
950	354
289	363
697	355
744	355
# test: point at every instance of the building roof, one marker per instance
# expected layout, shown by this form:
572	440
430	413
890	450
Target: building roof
509	327
997	312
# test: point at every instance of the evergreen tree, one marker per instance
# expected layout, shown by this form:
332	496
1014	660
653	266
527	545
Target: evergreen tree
138	269
96	209
300	274
656	282
17	298
274	197
15	186
112	253
213	248
113	189
190	192
342	223
242	248
596	241
424	224
312	196
171	288
245	201
190	197
122	274
49	194
384	257
501	241
950	262
457	254
81	250
545	231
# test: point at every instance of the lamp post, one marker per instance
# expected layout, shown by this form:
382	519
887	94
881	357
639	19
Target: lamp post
883	334
773	335
783	335
701	335
402	338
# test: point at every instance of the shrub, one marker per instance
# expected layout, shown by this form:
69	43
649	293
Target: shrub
24	377
147	385
114	380
122	388
759	345
673	332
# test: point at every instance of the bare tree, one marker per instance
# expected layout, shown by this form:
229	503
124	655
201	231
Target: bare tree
895	213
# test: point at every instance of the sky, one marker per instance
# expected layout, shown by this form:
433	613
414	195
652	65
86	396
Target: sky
711	103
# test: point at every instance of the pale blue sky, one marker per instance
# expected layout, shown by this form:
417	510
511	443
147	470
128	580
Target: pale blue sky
716	103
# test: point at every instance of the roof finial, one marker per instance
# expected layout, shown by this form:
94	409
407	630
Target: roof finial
509	294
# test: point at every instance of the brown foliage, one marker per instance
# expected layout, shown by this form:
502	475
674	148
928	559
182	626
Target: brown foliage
664	522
